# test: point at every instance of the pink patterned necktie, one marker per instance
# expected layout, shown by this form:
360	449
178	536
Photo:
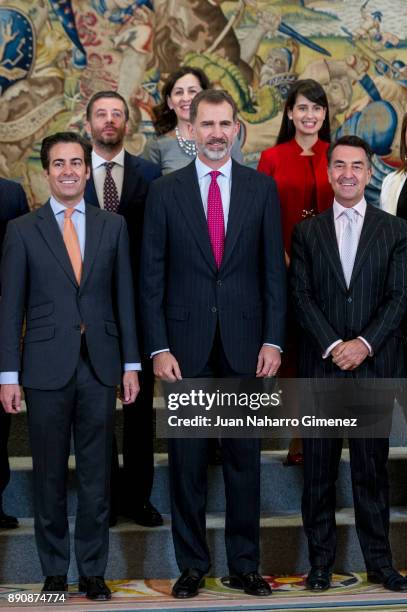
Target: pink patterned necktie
216	223
110	195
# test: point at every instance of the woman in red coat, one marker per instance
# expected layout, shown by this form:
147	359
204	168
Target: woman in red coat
298	164
298	161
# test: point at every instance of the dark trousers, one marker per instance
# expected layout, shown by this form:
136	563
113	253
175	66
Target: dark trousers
368	459
87	408
138	449
188	462
5	420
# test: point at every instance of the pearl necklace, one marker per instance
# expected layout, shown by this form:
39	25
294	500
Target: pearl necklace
188	146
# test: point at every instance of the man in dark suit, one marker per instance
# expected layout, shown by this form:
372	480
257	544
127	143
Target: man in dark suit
349	286
13	204
66	268
119	182
213	304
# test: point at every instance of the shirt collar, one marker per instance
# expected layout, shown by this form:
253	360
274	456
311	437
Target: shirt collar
58	208
98	161
203	170
360	208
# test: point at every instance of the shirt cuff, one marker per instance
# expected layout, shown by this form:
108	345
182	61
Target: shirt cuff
166	350
330	348
367	345
131	367
274	345
8	378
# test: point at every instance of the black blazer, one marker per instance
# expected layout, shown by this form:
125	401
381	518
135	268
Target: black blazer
39	283
184	297
372	307
13	203
138	174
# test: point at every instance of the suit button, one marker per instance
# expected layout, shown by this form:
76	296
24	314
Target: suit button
219	283
350	300
214	309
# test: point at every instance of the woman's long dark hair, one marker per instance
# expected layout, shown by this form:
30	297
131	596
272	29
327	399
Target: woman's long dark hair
165	118
314	92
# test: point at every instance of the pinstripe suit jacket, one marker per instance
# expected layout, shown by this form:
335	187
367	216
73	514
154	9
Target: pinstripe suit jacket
372	307
183	294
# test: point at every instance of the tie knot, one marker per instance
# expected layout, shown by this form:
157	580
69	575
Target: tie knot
350	215
214	174
109	166
68	212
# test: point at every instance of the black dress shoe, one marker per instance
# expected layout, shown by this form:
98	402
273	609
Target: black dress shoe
148	516
319	579
251	583
389	578
188	584
55	584
94	587
7	521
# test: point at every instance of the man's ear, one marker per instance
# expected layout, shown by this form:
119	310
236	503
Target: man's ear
191	131
86	125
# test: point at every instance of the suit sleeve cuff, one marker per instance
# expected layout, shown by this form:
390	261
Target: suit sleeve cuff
273	345
8	378
154	353
330	348
132	367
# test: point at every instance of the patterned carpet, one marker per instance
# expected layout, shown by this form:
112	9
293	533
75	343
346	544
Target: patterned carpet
349	592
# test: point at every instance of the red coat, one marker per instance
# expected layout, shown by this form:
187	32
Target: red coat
296	176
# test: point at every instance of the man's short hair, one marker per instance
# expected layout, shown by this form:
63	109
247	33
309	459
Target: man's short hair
106	94
350	141
68	137
212	96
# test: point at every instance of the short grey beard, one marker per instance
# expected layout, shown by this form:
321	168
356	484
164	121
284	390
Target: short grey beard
214	155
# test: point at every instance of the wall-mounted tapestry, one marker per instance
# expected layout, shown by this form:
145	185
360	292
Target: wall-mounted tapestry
54	54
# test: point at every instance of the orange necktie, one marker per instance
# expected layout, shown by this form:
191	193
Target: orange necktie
72	244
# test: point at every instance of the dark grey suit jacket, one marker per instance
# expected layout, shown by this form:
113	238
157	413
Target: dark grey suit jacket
184	297
372	307
38	282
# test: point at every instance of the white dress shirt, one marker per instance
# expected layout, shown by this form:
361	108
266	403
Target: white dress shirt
99	174
79	221
341	220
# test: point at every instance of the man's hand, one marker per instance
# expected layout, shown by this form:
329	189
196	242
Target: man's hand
10	397
349	355
166	367
268	362
130	387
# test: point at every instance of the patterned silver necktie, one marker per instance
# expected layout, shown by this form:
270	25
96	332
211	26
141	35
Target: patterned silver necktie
110	195
349	245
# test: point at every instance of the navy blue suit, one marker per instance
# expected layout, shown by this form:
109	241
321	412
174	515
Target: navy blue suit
138	452
214	321
13	203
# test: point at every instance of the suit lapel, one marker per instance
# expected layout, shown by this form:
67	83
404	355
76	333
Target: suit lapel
129	181
372	225
329	245
90	192
94	228
239	197
48	226
188	198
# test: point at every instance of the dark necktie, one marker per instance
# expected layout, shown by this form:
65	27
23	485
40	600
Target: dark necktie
216	223
110	195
